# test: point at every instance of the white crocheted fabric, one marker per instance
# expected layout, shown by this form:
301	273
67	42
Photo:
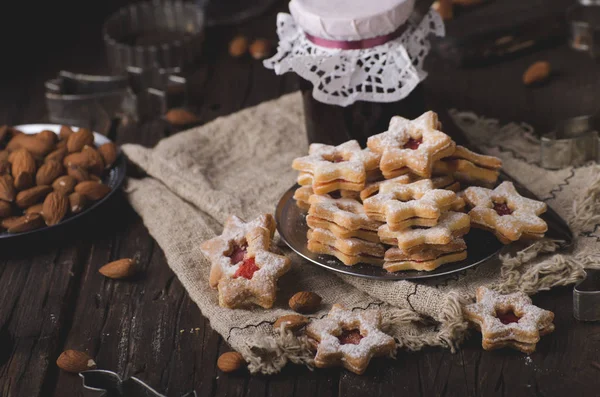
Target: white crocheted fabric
386	73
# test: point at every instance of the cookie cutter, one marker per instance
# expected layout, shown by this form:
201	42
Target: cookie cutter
103	383
573	143
586	297
584	27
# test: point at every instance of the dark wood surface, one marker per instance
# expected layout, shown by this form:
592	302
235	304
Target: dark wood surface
53	298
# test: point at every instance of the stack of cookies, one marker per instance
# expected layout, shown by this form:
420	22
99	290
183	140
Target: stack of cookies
404	191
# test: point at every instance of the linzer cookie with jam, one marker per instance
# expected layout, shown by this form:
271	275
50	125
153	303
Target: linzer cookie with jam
470	167
243	268
425	257
506	213
349	339
349	251
411	145
344	217
336	167
413	204
508	320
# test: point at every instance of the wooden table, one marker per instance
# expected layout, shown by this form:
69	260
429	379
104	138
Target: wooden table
53	298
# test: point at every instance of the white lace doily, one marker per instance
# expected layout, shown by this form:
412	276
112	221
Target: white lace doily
386	73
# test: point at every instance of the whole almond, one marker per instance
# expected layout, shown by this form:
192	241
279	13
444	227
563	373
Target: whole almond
305	302
22	161
35	209
77	202
24	180
28	197
10	221
55	208
444	8
121	268
7	189
181	117
108	151
5	209
47	135
291	322
92	190
48	172
57	155
64	185
230	361
536	73
79	139
75	361
80	174
36	147
260	49
65	132
238	46
88	158
24	223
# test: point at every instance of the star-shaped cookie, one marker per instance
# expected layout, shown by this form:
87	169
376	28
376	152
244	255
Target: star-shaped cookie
505	212
412	144
336	167
412	204
349	339
508	320
242	266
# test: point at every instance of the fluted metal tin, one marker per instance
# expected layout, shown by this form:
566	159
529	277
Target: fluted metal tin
162	35
586	297
573	143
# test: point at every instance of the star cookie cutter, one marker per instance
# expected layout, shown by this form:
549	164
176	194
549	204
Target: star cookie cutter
103	383
574	142
586	297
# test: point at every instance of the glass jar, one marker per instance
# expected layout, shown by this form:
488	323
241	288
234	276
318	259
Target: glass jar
359	65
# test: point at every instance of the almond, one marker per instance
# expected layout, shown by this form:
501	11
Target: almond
57	155
75	361
77	202
36	147
536	73
65	132
11	221
78	173
55	208
22	163
64	185
108	151
291	322
34	209
48	172
92	190
230	361
79	139
31	196
260	49
48	136
181	117
7	189
121	268
444	8
305	302
88	158
238	46
24	223
24	181
5	209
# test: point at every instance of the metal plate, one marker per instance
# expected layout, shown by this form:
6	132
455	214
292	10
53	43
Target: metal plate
113	178
291	225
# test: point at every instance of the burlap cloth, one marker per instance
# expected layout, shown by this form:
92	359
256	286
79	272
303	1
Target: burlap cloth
240	164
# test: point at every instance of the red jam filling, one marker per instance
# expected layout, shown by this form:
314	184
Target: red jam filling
413	144
350	337
508	317
502	209
238	253
336	158
246	269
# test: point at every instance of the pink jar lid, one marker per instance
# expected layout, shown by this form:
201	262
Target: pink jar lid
350	20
